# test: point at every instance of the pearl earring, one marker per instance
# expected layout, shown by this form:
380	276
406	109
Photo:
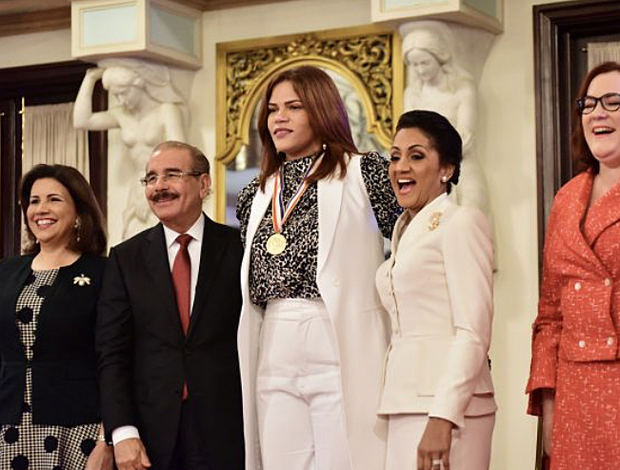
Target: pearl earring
444	179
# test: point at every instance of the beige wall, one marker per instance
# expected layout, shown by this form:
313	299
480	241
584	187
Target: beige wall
506	141
35	48
506	145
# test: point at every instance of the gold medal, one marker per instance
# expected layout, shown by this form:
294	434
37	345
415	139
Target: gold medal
276	244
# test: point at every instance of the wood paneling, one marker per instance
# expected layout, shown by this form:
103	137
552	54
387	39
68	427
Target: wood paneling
40	84
28	16
205	5
34	21
558	30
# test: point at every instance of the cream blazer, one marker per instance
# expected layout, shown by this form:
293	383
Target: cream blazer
437	289
349	252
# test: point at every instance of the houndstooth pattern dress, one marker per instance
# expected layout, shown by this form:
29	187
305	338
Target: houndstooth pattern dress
29	446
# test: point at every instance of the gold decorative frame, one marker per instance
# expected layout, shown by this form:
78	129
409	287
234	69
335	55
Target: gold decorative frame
368	57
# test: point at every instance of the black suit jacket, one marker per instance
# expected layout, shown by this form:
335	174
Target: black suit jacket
144	357
64	367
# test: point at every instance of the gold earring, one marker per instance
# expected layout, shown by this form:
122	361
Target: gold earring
77	226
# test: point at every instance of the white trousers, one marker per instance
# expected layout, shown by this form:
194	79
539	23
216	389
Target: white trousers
470	450
301	420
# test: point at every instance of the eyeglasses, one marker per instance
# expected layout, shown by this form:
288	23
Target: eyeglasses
168	177
609	101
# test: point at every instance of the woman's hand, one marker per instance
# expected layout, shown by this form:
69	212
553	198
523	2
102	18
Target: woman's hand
101	458
548	403
130	454
435	445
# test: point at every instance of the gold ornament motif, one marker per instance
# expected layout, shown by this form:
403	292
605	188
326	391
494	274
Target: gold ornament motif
366	57
434	219
81	280
276	244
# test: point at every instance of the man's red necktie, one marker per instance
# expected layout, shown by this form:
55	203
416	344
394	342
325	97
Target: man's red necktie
181	278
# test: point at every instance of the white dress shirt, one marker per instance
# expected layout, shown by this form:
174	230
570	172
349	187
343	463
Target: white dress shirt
194	248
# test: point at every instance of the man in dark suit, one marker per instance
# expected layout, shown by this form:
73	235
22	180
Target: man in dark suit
166	329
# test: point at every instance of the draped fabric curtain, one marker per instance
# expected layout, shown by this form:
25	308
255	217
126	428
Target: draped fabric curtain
599	52
49	137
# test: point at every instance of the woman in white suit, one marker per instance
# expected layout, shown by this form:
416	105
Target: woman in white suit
437	288
312	333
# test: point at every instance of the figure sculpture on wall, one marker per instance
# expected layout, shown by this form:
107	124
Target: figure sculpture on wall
149	111
437	83
363	139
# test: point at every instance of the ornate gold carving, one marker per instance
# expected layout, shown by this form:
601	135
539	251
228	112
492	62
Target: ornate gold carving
368	57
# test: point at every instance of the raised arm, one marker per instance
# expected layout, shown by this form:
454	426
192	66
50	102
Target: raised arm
173	122
83	116
466	115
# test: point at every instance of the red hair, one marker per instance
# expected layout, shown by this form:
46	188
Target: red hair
581	153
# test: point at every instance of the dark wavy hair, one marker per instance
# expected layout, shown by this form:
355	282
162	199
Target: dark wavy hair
443	136
328	119
92	232
580	152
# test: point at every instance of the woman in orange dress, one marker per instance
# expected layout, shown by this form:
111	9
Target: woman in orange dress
575	372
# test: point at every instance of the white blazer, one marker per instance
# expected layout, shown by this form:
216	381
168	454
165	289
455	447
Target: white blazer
349	252
437	288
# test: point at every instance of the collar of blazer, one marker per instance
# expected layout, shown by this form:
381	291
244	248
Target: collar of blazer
330	191
603	213
428	219
573	208
213	248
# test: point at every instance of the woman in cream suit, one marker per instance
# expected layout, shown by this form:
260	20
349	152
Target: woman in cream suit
312	333
437	288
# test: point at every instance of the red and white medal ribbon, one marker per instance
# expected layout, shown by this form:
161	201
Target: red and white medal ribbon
280	212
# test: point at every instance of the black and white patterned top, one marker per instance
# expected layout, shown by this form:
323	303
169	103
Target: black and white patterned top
35	446
292	274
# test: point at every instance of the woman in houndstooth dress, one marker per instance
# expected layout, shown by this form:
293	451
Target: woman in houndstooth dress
49	407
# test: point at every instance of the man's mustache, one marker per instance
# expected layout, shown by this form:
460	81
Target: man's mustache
163	195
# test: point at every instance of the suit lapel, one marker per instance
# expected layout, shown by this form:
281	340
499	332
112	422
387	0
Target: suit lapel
213	248
576	207
428	219
158	267
330	192
602	214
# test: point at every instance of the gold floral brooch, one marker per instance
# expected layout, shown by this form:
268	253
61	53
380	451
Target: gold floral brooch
434	219
81	280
